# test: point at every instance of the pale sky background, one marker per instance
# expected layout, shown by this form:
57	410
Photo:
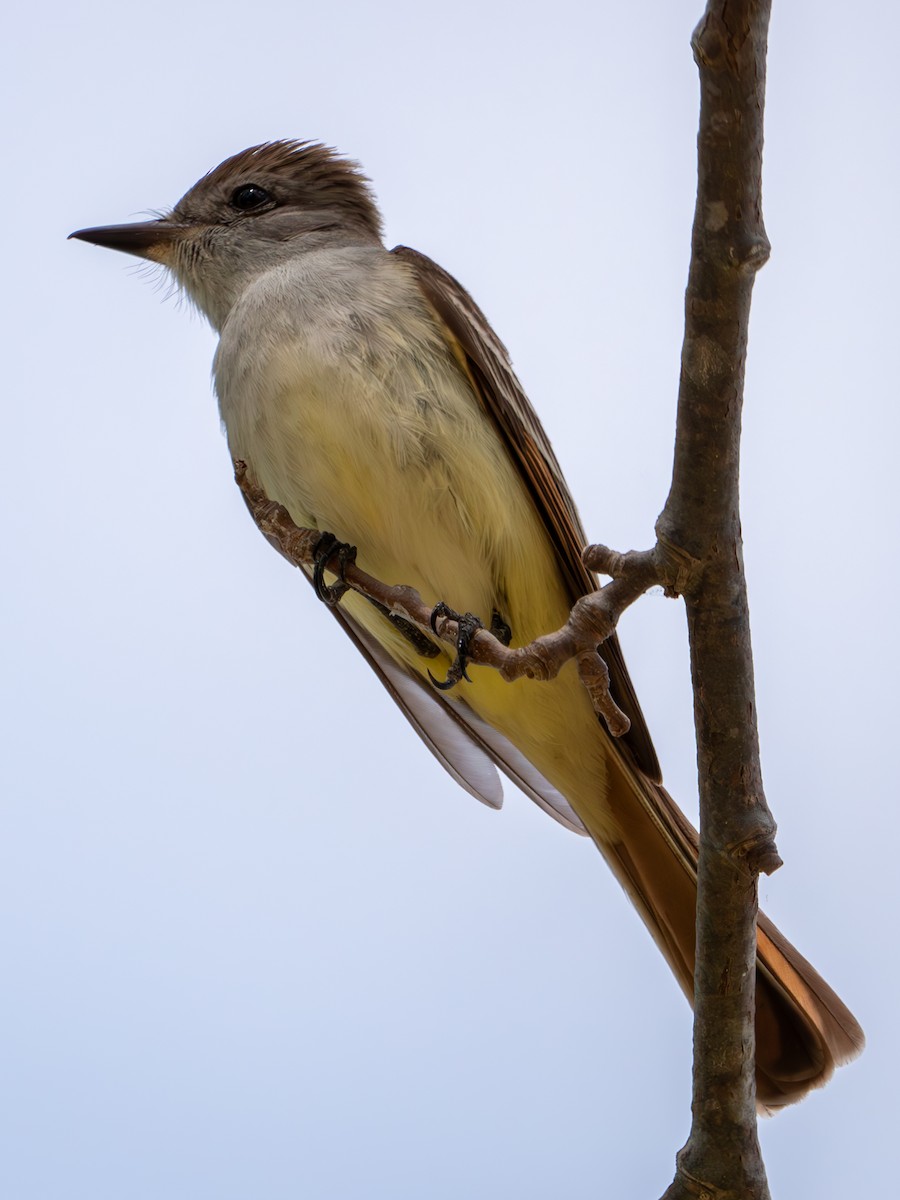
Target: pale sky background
255	944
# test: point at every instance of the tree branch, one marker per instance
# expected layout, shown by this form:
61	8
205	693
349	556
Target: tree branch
722	1157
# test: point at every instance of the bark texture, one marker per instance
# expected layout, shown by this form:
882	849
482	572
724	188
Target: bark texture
702	519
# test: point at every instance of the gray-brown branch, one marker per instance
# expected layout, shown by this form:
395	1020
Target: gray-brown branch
722	1157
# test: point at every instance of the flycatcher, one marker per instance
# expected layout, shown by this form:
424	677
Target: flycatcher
368	395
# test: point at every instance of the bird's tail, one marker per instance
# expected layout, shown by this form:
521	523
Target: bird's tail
803	1030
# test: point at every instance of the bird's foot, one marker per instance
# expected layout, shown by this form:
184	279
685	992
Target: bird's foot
500	629
467	625
327	548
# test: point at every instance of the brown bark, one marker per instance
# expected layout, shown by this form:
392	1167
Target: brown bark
721	1157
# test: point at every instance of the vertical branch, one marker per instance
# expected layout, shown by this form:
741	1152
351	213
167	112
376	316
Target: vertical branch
702	519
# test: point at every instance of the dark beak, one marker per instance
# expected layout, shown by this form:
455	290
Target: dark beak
146	239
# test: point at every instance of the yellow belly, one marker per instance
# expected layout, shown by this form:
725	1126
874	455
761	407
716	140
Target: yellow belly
392	452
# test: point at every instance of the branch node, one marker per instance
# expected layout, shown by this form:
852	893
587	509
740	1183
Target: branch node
678	569
709	43
605	561
758	854
754	254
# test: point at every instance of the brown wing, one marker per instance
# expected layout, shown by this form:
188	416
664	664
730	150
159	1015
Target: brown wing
487	363
465	746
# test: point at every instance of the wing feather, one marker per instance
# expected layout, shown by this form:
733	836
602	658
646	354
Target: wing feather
448	739
486	361
467	747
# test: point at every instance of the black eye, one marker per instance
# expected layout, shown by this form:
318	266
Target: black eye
249	196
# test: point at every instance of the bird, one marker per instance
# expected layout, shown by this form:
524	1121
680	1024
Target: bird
367	394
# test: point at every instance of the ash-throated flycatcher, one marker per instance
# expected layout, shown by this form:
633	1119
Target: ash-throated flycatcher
368	395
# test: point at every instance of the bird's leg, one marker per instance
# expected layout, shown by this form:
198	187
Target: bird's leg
326	548
467	625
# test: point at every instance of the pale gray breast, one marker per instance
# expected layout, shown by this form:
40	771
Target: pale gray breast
319	303
335	383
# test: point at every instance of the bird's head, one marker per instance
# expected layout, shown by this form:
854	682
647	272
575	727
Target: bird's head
248	214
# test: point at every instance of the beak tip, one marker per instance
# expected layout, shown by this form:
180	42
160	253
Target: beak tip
146	239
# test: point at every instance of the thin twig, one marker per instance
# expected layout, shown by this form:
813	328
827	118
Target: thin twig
592	620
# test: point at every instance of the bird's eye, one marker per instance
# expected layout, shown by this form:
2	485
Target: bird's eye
249	196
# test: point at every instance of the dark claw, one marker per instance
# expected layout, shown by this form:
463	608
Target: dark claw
327	548
500	629
467	626
442	610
